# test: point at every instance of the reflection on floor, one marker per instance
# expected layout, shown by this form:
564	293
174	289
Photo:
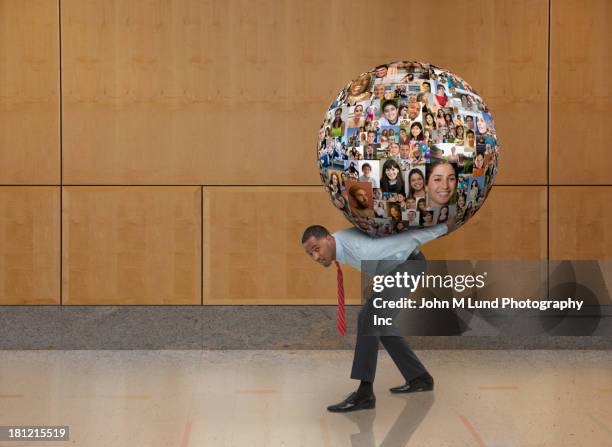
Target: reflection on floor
278	398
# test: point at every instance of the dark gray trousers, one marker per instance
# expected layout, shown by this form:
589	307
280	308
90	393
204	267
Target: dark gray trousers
366	348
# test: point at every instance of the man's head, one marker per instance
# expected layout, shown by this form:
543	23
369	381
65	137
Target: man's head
360	195
413	110
390	110
371	138
381	71
471	138
319	244
366	169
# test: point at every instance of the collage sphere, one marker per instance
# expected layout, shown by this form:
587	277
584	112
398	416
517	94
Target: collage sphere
407	145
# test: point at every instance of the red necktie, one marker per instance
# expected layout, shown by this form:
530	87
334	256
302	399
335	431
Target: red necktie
341	320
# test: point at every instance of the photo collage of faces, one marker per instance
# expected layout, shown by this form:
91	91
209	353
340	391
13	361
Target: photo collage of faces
407	145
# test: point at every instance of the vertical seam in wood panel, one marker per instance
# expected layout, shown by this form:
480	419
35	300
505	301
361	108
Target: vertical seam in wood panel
201	245
548	154
205	244
61	145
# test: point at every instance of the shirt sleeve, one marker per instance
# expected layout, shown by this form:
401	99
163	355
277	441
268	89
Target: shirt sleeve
399	246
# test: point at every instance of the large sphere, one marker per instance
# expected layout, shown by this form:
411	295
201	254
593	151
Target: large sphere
407	145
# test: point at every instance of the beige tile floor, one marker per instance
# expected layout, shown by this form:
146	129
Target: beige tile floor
278	398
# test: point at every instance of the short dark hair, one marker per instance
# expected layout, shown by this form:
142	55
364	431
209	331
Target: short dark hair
381	66
318	231
366	165
387	102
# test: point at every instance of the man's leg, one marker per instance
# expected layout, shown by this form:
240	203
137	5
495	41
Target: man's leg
366	348
414	372
404	358
364	369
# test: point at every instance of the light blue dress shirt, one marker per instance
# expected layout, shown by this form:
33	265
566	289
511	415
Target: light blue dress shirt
354	246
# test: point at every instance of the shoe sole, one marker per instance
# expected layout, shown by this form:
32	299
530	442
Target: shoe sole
356	408
408	391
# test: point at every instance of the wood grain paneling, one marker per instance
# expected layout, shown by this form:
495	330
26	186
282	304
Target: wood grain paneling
253	252
510	226
580	74
190	92
132	245
29	92
29	245
580	223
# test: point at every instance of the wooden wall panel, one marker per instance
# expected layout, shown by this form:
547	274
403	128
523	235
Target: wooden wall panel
580	223
580	74
29	245
132	245
510	226
190	92
253	252
29	92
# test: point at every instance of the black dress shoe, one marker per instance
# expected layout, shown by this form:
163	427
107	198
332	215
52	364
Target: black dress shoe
354	402
414	386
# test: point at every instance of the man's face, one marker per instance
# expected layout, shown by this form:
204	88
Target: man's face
321	250
361	197
470	139
381	72
390	112
404	151
379	91
371	137
366	171
413	110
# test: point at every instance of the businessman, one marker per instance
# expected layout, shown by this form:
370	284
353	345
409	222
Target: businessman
351	246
